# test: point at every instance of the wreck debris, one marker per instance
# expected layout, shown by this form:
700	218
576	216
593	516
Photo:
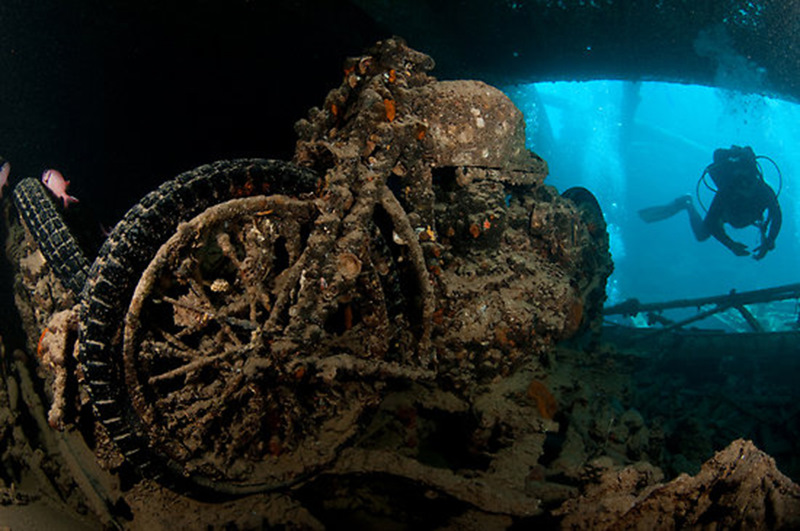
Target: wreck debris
739	487
718	303
454	159
178	335
260	326
417	245
55	350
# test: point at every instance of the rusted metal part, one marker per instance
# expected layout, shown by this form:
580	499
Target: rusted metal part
734	298
718	303
245	322
511	266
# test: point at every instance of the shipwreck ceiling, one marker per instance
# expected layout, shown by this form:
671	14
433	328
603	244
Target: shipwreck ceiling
745	45
144	89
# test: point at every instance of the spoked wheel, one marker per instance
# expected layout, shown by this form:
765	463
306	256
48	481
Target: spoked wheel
255	333
221	390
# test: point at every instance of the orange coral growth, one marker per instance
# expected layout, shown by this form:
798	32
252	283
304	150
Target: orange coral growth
574	316
475	230
39	350
244	190
501	336
438	316
545	401
392	76
391	110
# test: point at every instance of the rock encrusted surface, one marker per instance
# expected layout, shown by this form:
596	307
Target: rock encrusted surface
511	266
739	488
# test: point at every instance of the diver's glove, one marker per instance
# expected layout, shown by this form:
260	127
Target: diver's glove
739	249
761	251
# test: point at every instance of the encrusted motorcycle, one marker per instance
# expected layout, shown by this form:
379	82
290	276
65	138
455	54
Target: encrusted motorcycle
246	326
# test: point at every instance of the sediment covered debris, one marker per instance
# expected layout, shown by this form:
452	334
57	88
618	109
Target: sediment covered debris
739	488
510	266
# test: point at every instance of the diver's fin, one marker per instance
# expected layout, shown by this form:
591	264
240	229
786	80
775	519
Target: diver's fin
657	213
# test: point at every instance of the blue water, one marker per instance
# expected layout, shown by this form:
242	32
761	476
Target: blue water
641	144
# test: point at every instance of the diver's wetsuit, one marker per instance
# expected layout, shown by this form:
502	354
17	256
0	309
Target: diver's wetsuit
742	197
740	207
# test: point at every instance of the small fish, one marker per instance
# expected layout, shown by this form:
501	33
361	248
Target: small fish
56	183
5	171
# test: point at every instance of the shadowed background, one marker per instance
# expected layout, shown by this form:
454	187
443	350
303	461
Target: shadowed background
122	95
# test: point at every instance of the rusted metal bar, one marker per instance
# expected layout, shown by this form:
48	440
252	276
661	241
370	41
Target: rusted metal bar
750	318
732	299
650	332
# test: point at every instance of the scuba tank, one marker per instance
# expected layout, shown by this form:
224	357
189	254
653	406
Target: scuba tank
731	165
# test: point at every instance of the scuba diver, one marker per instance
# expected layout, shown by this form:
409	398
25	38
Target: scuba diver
742	197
